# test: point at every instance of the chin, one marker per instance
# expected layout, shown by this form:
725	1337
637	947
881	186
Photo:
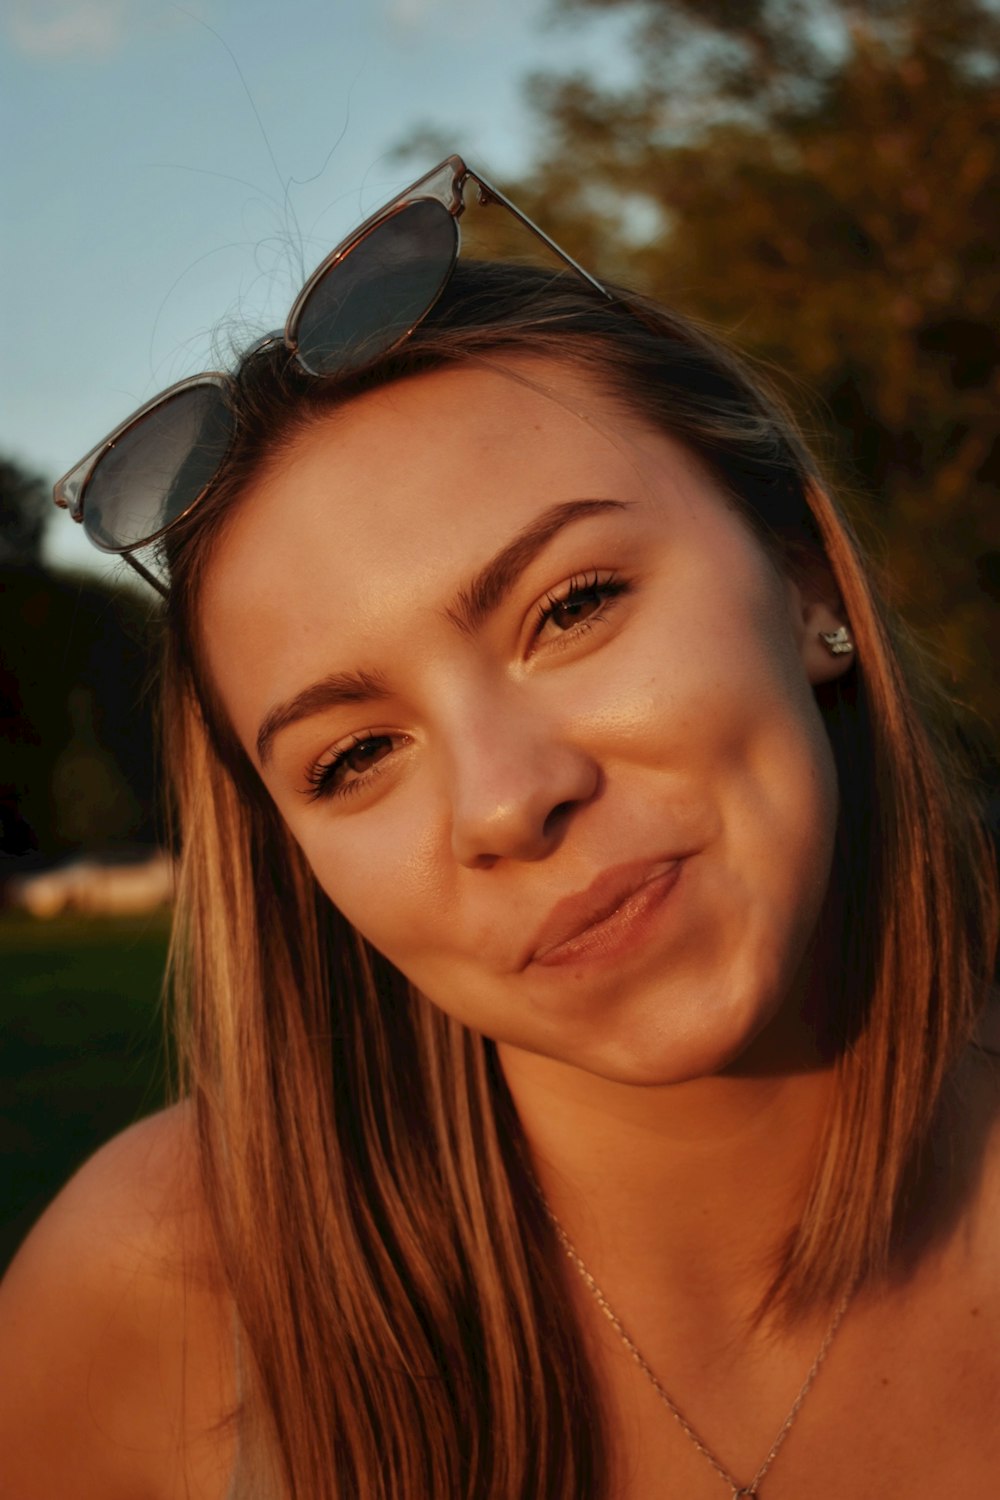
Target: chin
672	1065
698	1037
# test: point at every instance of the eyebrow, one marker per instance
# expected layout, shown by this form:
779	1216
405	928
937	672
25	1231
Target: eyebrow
479	599
328	692
472	606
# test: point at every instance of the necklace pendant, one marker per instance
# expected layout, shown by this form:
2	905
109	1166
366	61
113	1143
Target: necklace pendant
746	1492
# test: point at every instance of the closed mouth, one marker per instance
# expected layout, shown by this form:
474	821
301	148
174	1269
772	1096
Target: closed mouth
597	919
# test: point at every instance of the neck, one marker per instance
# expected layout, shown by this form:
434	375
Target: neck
688	1189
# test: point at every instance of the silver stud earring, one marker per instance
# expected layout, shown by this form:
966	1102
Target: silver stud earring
837	642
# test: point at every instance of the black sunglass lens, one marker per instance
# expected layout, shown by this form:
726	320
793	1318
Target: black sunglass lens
379	291
157	468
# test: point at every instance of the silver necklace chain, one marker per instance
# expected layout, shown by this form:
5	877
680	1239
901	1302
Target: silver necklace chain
740	1491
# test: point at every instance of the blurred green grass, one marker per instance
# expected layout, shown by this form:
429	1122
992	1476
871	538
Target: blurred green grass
81	1053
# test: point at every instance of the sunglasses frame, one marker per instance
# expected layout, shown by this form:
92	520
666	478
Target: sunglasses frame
445	184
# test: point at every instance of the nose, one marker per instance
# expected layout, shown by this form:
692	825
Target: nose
515	783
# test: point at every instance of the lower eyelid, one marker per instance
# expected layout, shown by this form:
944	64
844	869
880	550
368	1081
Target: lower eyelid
356	783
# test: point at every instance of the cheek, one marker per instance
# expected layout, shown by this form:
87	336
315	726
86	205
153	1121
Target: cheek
732	717
381	872
781	828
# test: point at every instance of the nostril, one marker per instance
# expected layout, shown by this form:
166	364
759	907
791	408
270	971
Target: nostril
558	815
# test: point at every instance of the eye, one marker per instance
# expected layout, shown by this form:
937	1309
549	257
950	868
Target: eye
348	769
579	603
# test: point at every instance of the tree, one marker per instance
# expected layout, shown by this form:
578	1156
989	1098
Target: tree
77	761
24	502
76	729
819	178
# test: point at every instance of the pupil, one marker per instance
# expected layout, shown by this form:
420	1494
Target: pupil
576	607
364	754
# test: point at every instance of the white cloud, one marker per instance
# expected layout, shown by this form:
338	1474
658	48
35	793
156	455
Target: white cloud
66	28
460	17
410	12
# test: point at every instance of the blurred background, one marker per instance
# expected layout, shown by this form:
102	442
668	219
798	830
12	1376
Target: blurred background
817	178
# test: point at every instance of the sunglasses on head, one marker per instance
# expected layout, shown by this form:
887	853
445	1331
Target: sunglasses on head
361	302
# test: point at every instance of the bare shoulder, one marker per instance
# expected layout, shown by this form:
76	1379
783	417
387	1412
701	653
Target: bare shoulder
115	1333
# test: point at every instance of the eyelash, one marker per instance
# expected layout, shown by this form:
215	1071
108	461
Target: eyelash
607	588
320	776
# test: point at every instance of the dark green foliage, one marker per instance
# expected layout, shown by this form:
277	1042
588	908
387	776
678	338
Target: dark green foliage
24	509
78	764
82	1054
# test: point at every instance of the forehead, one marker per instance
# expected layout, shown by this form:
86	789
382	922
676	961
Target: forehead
380	509
424	467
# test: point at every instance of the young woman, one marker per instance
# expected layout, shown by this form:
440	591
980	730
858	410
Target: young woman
582	948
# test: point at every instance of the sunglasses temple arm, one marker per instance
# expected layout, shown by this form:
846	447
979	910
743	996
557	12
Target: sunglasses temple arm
488	193
137	566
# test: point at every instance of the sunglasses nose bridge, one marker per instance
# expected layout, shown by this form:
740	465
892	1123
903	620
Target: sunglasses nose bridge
266	341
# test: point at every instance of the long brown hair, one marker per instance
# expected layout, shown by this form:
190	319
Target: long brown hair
397	1286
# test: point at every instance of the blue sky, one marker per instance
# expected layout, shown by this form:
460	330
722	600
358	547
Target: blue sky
147	210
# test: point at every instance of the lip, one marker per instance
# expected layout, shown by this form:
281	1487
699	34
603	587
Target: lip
605	918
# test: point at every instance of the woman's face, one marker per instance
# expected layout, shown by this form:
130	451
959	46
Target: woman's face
538	709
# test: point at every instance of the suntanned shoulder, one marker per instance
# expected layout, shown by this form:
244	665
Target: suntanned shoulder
116	1334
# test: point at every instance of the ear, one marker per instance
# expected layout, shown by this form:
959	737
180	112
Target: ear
816	611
